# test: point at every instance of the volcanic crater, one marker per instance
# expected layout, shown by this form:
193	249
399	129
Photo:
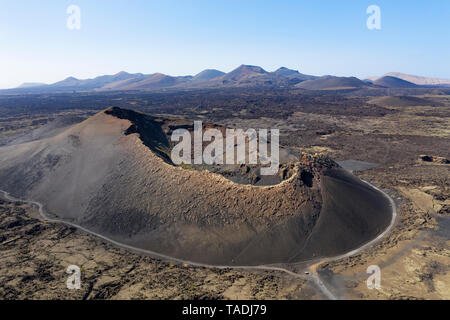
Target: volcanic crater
113	175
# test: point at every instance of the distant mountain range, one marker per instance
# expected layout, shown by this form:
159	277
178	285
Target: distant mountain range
244	75
418	80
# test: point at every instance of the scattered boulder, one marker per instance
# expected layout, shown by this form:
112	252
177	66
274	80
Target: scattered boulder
435	159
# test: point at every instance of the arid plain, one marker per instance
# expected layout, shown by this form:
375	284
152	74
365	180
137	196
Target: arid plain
403	134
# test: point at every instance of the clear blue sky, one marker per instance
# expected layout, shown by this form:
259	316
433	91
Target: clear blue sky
187	36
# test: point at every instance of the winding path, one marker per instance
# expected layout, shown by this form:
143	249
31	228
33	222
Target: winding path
314	276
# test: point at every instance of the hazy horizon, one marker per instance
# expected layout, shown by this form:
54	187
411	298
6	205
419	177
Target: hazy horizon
177	38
